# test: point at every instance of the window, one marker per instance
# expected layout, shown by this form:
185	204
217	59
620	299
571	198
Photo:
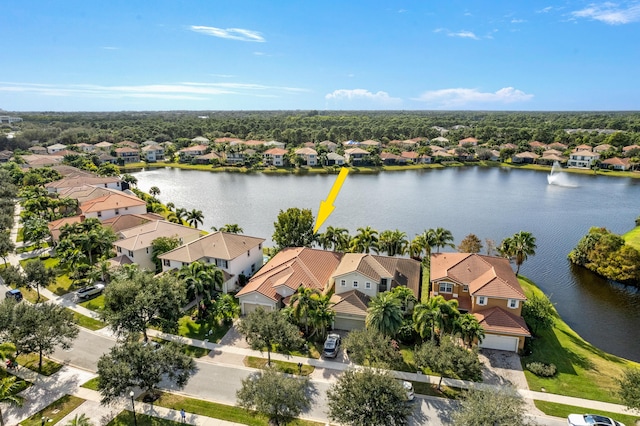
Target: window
117	211
119	249
147	250
367	285
99	214
513	303
166	262
482	300
130	253
355	284
446	288
260	246
465	288
184	263
248	253
343	283
126	208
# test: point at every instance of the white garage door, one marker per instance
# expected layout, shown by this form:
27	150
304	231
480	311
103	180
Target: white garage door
347	324
503	343
250	307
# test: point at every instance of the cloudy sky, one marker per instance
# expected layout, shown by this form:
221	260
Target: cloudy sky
118	55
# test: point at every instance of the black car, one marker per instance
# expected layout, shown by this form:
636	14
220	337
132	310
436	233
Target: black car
14	294
331	346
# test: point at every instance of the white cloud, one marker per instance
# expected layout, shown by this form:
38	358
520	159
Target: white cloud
518	21
461	34
110	48
545	10
184	90
610	13
454	98
229	33
358	95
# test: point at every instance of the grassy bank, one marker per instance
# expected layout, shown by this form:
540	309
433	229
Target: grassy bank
584	371
633	238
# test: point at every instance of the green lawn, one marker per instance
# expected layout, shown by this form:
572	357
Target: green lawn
201	330
56	411
20	236
430	389
91	384
561	410
31	248
633	238
125	418
30	361
218	411
192	351
96	304
282	366
584	371
87	322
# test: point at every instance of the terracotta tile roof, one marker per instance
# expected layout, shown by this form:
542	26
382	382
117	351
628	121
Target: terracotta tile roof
54	226
142	236
80	180
125	150
585	154
276	151
126	221
409	154
527	154
194	148
616	161
253	143
496	320
352	302
111	201
86	193
486	275
293	267
630	147
219	245
104	144
352	151
306	151
537	144
38	160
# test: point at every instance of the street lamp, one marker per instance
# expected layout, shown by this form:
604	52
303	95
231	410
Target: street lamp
133	404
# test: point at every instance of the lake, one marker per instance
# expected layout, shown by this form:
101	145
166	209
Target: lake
490	202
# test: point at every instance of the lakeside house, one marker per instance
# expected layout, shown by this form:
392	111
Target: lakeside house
583	159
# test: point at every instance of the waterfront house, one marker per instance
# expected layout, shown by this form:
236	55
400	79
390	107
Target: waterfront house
275	157
334	159
583	159
127	155
616	163
153	152
309	155
111	205
356	156
526	157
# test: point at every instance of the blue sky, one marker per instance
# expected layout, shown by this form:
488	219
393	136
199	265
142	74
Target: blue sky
119	55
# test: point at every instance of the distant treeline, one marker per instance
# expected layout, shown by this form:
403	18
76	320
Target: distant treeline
297	127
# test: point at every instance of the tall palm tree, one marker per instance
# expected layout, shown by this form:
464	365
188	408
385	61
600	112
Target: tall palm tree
442	238
321	316
181	213
469	328
435	316
154	191
518	247
194	217
202	280
365	240
231	228
335	239
385	314
8	388
393	242
303	302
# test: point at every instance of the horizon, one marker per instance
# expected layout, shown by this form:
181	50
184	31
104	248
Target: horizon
247	55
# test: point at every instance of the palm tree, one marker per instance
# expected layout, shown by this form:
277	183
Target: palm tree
385	314
303	302
181	214
81	420
336	239
442	238
170	206
154	191
231	228
130	179
405	296
321	316
202	280
393	242
194	217
8	388
518	247
469	328
436	316
365	240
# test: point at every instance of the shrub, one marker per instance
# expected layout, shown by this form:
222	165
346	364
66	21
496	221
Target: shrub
541	369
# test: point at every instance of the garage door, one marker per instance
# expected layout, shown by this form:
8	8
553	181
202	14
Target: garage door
347	324
504	343
250	307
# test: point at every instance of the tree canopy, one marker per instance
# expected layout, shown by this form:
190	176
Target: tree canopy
294	228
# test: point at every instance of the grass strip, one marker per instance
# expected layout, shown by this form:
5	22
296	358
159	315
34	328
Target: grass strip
219	411
87	322
125	418
31	360
560	410
579	363
56	411
431	389
281	366
91	384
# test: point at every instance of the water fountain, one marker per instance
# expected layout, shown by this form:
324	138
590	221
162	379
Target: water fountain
558	177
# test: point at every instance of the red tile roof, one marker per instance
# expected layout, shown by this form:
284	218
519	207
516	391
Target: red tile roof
498	321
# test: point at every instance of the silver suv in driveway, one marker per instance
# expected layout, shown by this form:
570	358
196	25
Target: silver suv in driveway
90	291
331	346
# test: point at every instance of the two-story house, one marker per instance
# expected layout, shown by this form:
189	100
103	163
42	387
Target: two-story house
487	287
583	159
309	155
153	153
192	151
136	243
356	155
234	254
275	157
111	205
127	155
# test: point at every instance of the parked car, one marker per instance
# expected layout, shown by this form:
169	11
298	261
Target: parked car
14	294
331	346
408	387
89	291
591	420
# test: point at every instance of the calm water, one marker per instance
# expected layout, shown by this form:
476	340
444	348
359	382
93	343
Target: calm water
491	203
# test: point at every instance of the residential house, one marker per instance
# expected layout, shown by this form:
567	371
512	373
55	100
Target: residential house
234	254
486	287
56	226
275	157
36	160
5	156
239	157
309	155
526	157
106	158
137	243
85	147
603	148
356	156
38	150
370	144
331	146
583	147
616	163
127	155
334	159
200	140
583	159
153	152
558	145
360	277
129	144
537	145
412	156
104	146
630	150
55	148
209	158
389	159
111	205
440	140
470	141
274	144
125	221
186	154
78	180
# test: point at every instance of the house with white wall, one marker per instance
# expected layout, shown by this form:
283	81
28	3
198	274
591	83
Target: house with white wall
112	205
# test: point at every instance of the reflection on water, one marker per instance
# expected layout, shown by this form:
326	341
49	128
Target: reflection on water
492	203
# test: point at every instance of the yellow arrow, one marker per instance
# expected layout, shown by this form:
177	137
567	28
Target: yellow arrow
326	206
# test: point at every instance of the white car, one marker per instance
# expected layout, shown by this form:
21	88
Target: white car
408	387
331	346
89	291
591	420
